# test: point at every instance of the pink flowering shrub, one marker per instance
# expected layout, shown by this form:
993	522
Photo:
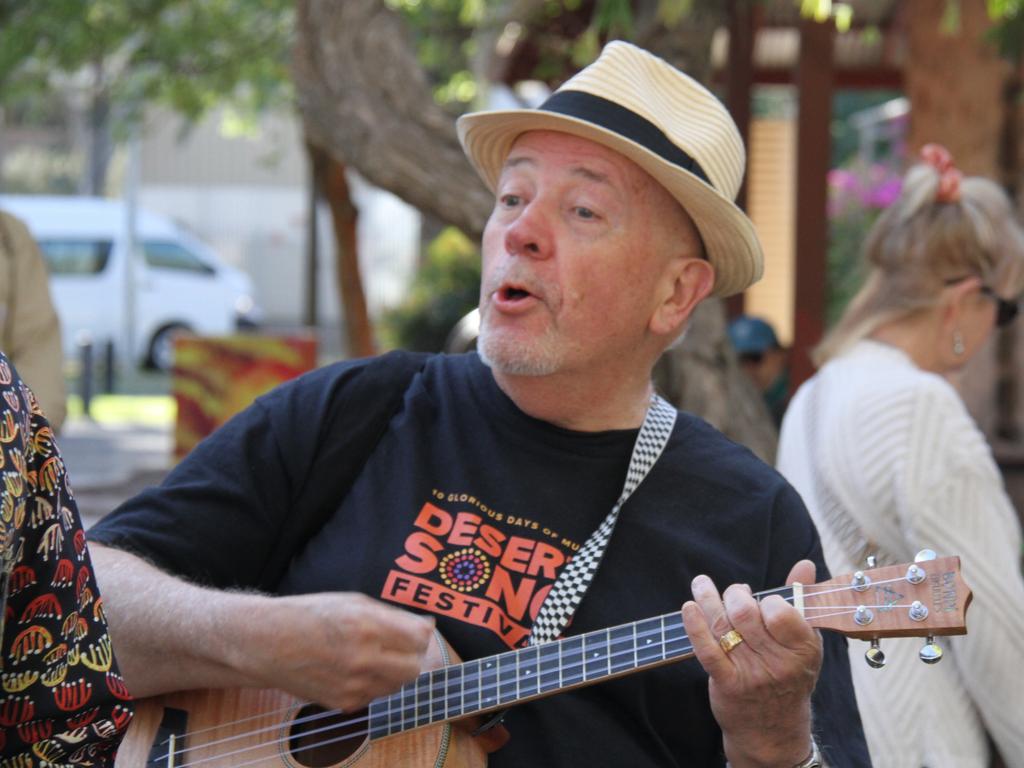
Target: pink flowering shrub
856	196
859	188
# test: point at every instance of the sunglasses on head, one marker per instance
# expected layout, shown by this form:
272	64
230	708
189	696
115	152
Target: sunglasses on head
1006	310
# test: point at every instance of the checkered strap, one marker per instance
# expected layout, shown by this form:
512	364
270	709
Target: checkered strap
572	583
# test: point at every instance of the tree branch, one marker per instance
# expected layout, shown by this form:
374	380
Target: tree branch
364	97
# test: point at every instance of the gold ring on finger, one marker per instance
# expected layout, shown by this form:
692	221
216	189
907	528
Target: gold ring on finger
730	640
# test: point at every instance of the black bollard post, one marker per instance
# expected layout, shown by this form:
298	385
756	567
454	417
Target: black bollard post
108	366
85	376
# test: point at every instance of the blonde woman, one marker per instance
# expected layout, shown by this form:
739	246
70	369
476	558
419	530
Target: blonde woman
881	448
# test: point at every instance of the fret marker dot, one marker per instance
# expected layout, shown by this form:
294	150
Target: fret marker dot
596	654
648	641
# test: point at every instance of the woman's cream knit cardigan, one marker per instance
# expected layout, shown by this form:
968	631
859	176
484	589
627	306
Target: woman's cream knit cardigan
909	469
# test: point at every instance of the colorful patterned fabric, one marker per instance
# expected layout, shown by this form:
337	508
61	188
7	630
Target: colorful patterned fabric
63	701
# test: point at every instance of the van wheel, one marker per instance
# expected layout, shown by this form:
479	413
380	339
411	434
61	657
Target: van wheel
161	348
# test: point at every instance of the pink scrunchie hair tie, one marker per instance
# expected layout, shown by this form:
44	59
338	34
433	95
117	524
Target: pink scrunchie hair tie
941	159
949	186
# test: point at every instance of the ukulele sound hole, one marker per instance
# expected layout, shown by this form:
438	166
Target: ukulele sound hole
319	740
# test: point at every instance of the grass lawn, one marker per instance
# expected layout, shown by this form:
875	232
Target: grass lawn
148	410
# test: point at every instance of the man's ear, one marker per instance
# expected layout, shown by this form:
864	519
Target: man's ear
687	282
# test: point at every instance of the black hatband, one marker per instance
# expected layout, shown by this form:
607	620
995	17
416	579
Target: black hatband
628	124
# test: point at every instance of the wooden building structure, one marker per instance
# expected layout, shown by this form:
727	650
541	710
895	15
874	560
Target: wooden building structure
772	44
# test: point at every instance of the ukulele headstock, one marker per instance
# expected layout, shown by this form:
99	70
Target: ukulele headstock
920	599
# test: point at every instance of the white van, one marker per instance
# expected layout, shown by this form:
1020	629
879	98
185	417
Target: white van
180	284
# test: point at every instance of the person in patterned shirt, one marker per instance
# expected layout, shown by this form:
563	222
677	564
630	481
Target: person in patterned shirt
64	701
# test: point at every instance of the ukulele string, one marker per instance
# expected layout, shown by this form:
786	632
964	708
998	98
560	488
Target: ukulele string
484	665
474	679
488	667
408	716
239	721
406	713
304	720
827	590
471	678
327	713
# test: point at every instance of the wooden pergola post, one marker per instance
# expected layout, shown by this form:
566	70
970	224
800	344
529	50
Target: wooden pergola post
814	78
739	74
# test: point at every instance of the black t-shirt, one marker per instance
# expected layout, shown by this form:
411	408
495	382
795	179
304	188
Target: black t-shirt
467	509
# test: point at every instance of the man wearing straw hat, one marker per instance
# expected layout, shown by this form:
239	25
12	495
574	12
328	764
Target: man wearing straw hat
537	489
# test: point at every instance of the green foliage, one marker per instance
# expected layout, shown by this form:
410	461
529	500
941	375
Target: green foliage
672	12
443	30
950	22
613	18
843	263
823	10
858	194
564	36
1008	33
184	54
446	287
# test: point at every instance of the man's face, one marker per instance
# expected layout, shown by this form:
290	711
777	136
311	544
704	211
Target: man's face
764	367
572	253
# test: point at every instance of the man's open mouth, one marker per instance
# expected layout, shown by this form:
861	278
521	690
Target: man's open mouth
513	293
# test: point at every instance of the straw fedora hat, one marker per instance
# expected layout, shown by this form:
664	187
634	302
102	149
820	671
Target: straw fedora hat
660	118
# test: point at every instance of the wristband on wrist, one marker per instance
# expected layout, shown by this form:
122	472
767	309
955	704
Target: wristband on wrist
814	759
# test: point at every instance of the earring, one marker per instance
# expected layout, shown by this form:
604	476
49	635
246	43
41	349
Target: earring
958	344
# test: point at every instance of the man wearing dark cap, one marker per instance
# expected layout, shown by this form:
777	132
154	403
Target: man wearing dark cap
764	360
535	490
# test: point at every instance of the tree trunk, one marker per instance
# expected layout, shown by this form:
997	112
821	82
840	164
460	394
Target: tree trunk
344	218
364	98
953	75
99	145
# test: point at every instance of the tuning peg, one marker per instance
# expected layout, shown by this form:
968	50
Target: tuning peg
860	581
915	574
918	611
863	615
925	555
931	652
874	656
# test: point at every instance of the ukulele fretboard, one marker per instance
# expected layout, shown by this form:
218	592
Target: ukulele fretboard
508	678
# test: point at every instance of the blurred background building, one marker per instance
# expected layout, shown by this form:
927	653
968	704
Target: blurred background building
249	196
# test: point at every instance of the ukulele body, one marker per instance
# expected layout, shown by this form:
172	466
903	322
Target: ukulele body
252	726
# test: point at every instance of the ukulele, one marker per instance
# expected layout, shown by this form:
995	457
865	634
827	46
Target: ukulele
414	725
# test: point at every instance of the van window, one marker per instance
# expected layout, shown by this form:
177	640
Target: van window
168	255
75	257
